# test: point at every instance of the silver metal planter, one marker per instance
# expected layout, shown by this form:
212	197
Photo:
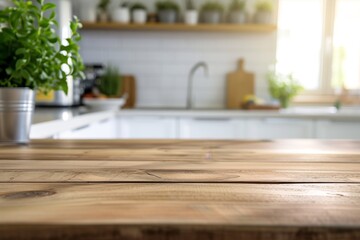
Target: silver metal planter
16	110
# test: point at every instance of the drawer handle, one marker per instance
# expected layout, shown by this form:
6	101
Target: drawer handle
80	128
213	119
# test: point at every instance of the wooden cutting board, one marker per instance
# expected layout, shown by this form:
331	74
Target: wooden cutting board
239	84
129	88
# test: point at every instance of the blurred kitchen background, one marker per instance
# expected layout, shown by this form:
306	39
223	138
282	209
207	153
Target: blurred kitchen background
262	70
161	60
316	40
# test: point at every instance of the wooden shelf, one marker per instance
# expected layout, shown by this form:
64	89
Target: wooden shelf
181	27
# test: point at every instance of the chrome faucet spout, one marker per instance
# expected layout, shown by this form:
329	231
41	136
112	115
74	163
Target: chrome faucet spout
193	70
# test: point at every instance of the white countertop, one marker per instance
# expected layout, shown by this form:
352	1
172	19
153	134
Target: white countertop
329	113
64	120
71	119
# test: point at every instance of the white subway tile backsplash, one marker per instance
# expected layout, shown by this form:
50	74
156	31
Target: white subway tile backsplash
161	61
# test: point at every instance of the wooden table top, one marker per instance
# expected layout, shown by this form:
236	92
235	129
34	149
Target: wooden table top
157	190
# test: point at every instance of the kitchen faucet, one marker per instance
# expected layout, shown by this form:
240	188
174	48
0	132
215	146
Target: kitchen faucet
190	81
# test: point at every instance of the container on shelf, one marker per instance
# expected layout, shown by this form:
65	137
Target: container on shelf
237	17
121	15
191	17
167	16
102	16
212	17
139	16
88	12
263	17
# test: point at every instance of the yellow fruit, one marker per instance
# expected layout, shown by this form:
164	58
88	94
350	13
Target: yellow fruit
250	98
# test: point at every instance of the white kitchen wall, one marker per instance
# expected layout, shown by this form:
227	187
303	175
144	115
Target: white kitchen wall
161	61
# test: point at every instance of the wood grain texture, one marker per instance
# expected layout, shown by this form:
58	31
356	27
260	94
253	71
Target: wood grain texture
167	203
168	232
149	190
177	171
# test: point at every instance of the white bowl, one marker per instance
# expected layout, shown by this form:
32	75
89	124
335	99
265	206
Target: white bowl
104	104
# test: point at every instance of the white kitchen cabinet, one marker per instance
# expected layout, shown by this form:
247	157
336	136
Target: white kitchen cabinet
232	128
279	128
147	127
335	129
211	128
106	129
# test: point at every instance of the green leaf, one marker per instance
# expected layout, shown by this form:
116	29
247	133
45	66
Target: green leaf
64	87
25	74
30	54
44	23
3	14
77	38
53	40
20	63
65	48
8	32
73	26
20	51
48	6
9	71
52	15
33	8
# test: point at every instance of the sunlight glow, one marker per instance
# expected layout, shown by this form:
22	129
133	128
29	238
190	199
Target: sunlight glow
346	43
299	40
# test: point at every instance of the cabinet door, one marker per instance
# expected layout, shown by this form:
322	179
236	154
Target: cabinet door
106	129
278	128
338	130
210	128
147	128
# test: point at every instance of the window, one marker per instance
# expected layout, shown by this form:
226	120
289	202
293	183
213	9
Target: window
319	42
346	45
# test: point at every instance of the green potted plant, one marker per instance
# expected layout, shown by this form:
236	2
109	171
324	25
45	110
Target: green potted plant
32	57
139	13
237	13
168	11
103	15
263	13
191	14
109	83
121	14
283	88
106	94
212	12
